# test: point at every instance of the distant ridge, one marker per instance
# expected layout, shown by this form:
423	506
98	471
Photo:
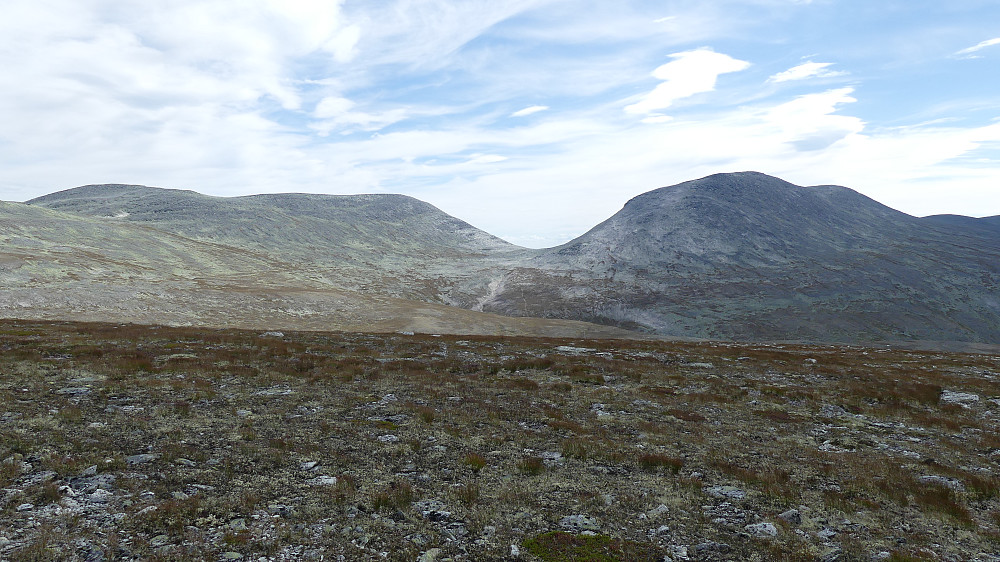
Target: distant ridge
338	218
987	224
742	256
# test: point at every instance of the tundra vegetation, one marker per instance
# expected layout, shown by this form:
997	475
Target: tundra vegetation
125	442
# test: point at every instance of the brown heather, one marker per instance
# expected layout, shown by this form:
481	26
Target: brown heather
310	446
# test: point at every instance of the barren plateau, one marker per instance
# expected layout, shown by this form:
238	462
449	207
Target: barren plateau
123	442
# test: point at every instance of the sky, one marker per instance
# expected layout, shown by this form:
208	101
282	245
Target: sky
531	119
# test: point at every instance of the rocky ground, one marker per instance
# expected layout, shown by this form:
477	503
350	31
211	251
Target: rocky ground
128	442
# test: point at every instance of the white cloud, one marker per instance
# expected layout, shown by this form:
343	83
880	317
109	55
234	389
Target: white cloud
529	110
806	70
338	113
978	47
427	33
809	122
239	96
332	106
690	73
486	159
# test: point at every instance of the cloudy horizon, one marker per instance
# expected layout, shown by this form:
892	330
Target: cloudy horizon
531	119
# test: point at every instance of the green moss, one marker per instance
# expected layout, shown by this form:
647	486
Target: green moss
557	546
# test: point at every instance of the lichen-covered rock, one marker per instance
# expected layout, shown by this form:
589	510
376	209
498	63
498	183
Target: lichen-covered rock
961	398
764	529
579	523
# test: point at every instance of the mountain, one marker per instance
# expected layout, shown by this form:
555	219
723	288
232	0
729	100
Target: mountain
741	256
57	265
394	224
748	256
380	243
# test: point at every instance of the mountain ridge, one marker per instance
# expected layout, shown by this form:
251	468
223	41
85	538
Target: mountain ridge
742	256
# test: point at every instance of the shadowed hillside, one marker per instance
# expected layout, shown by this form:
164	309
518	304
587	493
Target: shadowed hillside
749	256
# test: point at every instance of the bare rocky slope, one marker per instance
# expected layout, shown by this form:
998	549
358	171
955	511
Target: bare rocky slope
751	257
55	265
379	243
735	256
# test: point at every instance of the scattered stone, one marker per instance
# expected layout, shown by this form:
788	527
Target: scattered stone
826	534
961	398
432	510
835	555
679	552
809	361
141	459
275	392
100	496
952	483
700	365
103	481
231	555
573	350
159	540
578	523
323	481
418	539
308	465
180	496
552	458
726	492
430	556
658	511
515	552
73	391
792	517
831	446
185	462
280	510
764	529
175	357
388	438
89	471
26	507
272	335
833	411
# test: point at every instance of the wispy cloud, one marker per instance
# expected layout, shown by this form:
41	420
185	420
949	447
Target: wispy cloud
807	70
690	73
978	47
431	98
529	110
334	112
